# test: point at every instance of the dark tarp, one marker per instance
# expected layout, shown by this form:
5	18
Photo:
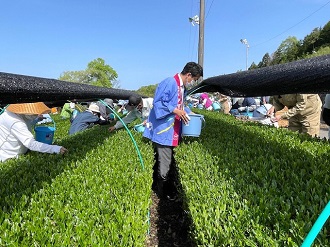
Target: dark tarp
303	76
24	89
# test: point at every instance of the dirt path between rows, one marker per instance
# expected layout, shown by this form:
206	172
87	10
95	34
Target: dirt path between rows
169	224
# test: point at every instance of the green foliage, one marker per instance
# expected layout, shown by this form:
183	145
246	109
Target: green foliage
320	52
147	90
287	51
291	49
100	73
266	60
97	73
96	195
247	184
75	76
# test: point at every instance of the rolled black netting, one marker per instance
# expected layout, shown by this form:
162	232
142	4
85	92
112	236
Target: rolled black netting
23	89
303	76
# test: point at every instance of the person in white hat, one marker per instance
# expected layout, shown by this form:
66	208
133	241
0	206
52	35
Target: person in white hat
15	131
85	119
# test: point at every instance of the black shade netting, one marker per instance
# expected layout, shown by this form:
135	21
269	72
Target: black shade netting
303	76
26	89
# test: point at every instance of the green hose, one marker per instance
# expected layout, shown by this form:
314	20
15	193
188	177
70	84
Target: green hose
3	109
317	226
128	131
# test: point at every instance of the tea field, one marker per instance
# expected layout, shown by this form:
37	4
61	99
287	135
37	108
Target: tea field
243	184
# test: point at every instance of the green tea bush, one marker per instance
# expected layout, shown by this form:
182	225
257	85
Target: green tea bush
98	194
247	184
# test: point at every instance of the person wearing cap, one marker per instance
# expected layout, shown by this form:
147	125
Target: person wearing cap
85	119
104	109
304	114
16	137
164	128
137	107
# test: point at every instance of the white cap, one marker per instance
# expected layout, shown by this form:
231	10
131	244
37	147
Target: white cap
94	108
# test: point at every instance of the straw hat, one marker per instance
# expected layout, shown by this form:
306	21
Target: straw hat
29	108
94	108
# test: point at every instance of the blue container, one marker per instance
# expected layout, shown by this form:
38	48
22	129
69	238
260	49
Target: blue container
45	134
216	106
195	125
234	112
200	106
139	127
249	114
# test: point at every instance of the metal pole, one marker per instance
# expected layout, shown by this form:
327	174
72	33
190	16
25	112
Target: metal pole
201	33
247	54
245	42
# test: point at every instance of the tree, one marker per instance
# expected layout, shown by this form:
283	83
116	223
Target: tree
322	51
97	73
101	74
75	76
324	39
266	60
308	43
253	66
147	90
287	51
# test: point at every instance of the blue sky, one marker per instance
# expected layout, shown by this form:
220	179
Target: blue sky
146	41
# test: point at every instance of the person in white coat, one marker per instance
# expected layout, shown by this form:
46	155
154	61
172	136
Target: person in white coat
138	108
15	131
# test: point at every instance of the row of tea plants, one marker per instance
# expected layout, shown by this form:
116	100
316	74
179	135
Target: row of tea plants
98	194
247	184
243	184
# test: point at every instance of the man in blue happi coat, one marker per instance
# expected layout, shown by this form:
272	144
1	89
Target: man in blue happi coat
164	123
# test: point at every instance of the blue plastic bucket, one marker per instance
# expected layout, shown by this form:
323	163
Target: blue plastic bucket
45	134
195	125
234	112
216	106
139	128
249	114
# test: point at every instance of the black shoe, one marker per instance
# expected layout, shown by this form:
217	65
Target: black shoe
171	196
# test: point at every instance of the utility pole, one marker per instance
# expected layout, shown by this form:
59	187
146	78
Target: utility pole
245	42
201	33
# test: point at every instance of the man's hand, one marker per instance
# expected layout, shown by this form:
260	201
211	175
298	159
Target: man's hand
276	119
182	114
112	128
270	112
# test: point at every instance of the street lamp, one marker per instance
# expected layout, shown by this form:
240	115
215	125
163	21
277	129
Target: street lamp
245	42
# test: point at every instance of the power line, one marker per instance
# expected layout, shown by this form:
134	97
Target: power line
209	9
292	26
